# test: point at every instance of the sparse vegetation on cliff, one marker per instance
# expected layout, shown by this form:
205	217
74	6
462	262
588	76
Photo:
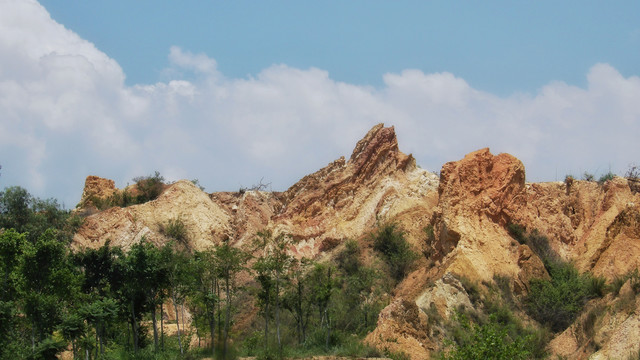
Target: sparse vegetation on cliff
389	241
146	188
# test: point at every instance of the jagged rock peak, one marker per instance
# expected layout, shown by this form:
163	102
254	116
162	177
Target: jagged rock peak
376	155
96	187
375	137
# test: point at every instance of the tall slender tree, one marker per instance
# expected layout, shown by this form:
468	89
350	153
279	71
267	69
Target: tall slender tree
230	261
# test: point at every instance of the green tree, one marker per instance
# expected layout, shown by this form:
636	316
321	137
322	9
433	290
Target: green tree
230	262
46	282
142	272
178	277
15	209
205	288
323	283
297	298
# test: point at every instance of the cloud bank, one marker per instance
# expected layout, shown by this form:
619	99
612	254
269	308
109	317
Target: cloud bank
65	113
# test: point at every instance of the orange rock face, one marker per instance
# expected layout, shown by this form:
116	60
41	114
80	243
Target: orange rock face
96	187
469	206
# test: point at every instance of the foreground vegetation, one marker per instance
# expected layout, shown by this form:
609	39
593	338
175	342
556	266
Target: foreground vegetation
108	303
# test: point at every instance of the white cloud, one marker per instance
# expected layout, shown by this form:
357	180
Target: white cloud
200	62
65	113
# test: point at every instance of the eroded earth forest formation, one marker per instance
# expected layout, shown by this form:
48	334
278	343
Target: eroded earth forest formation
370	256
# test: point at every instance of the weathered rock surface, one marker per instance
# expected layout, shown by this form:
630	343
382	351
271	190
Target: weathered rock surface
96	187
206	222
469	206
403	327
346	198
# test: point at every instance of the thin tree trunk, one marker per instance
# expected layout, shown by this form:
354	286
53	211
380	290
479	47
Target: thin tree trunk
175	305
197	334
212	324
212	319
182	308
219	312
155	329
278	313
97	342
134	327
326	314
227	318
162	325
128	338
266	325
102	338
300	314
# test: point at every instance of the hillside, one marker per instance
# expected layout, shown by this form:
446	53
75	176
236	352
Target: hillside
470	212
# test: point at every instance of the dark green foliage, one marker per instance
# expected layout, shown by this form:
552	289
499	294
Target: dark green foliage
618	281
26	214
348	259
588	176
557	302
389	241
176	229
15	208
196	182
517	231
537	242
491	340
149	187
429	241
597	286
606	177
472	289
492	330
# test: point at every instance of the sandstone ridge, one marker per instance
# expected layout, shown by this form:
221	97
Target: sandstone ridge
469	208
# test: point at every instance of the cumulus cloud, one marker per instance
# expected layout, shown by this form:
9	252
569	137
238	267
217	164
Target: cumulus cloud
65	113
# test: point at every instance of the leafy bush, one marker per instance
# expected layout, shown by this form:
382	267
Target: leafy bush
606	177
390	242
557	302
429	240
176	229
517	231
348	260
149	187
487	341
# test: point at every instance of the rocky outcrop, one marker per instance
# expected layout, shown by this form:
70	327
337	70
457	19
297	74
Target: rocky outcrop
597	226
477	198
403	328
346	198
206	222
96	187
594	225
342	200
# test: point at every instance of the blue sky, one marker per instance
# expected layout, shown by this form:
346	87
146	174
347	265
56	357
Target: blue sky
497	46
232	92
